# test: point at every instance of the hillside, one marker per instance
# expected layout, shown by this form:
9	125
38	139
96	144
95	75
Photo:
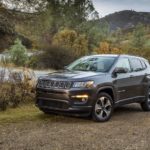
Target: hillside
126	19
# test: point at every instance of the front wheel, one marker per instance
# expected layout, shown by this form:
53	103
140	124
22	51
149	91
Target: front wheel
103	108
146	104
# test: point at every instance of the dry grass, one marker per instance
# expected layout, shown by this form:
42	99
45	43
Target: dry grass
23	113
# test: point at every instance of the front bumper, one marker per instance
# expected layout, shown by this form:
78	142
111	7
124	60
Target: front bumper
63	101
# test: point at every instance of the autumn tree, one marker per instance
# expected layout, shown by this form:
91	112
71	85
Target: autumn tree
106	48
70	39
67	45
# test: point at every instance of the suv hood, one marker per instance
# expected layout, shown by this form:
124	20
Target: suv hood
72	74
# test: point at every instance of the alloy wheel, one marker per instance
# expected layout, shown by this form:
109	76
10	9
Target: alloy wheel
103	108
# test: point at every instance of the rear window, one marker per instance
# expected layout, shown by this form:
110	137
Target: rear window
136	64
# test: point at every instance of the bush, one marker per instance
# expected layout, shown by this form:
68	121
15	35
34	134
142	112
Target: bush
106	48
71	40
4	98
34	62
56	57
18	53
13	90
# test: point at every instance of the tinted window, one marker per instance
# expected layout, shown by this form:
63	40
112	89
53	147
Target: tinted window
136	64
124	63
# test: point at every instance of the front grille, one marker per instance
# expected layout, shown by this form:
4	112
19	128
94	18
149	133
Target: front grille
53	104
51	84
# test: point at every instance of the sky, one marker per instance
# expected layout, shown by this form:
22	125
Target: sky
105	7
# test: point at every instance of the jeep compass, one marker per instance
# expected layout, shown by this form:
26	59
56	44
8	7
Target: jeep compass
95	85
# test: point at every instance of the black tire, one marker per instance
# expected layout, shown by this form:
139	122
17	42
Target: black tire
146	104
103	108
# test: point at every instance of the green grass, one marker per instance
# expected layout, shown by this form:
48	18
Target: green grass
22	113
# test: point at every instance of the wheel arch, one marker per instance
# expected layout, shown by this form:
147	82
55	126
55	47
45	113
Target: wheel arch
109	90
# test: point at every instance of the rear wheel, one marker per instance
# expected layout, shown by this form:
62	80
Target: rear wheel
103	108
146	104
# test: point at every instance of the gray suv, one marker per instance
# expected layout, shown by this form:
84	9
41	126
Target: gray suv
95	85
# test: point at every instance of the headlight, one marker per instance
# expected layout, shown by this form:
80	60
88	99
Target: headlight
86	84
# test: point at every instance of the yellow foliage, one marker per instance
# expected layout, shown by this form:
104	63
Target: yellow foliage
80	45
105	48
65	38
70	39
116	51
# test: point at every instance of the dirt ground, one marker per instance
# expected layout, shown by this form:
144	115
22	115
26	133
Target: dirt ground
129	129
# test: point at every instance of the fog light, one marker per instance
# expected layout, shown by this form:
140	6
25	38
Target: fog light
82	97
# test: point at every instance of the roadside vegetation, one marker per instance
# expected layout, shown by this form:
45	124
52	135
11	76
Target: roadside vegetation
25	112
15	89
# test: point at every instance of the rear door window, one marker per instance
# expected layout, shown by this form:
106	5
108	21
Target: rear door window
136	64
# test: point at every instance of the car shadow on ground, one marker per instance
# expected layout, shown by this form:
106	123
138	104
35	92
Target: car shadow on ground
63	118
131	108
119	112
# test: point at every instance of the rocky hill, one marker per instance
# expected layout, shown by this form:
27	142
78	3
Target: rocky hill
126	19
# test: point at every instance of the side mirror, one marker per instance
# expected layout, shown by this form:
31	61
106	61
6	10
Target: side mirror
120	70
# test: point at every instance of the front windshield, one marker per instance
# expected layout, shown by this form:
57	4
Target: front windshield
92	63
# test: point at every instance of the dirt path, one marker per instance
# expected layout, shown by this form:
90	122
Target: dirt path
129	129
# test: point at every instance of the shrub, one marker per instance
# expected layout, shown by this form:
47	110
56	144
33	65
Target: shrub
13	90
70	39
34	62
106	48
18	53
4	98
56	57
